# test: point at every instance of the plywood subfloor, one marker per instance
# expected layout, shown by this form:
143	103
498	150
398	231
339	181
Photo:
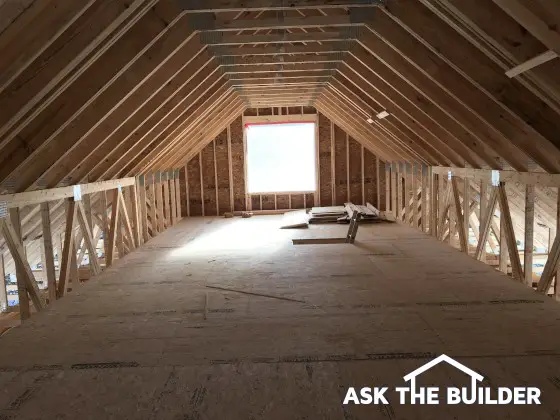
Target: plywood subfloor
134	343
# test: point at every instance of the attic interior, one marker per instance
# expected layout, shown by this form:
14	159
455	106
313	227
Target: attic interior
151	151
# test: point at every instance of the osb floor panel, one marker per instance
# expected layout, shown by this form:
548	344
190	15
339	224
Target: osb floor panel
134	343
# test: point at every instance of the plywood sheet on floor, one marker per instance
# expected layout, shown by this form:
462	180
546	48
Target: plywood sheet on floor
134	343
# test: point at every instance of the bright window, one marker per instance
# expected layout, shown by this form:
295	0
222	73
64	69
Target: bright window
281	157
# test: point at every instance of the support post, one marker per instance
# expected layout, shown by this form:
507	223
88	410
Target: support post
166	203
510	234
387	187
24	310
135	209
143	208
482	203
48	251
3	291
460	216
394	189
159	200
434	203
173	197
105	223
66	262
179	210
153	205
113	230
529	233
466	210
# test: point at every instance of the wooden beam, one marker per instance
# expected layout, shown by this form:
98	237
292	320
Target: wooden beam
18	254
541	179
137	221
173	197
529	234
153	208
66	262
125	217
110	248
517	271
88	239
543	58
331	48
480	254
179	210
460	216
256	39
158	202
3	291
424	198
48	251
143	208
445	204
55	194
24	310
104	223
265	5
166	203
466	209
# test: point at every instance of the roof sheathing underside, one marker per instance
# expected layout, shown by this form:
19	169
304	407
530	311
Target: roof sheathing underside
108	89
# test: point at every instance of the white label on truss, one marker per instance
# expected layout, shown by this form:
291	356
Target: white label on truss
119	187
3	209
77	192
449	175
495	178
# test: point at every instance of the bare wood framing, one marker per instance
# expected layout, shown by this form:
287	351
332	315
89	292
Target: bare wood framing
66	262
110	248
55	194
3	291
541	179
510	234
18	254
460	216
529	234
48	251
88	238
24	310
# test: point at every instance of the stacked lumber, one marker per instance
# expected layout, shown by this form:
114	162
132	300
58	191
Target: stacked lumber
326	214
343	214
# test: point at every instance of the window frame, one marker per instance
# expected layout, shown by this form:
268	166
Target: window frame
277	119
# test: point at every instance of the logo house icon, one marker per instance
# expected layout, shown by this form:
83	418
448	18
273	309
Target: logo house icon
411	377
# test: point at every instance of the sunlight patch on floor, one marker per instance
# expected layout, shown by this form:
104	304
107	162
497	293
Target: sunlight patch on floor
257	234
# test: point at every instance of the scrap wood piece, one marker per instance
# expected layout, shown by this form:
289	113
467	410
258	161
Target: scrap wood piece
226	289
318	241
295	219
